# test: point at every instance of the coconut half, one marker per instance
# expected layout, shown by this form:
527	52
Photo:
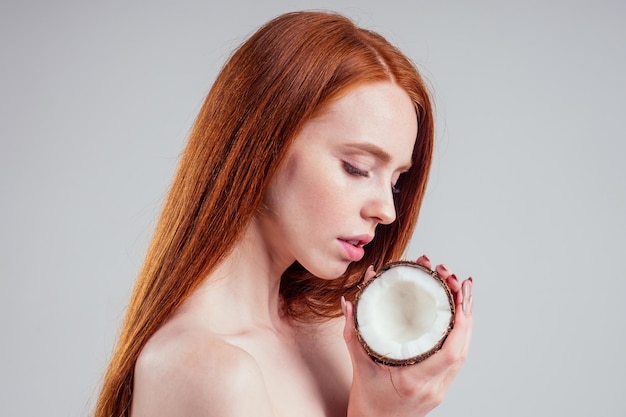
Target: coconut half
404	314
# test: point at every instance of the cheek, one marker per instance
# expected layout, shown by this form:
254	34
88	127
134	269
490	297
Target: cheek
330	200
294	195
312	184
314	197
310	189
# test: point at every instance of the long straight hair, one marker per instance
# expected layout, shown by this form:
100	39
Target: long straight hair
281	77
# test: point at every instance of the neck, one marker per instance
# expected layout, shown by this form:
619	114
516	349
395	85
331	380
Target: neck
243	291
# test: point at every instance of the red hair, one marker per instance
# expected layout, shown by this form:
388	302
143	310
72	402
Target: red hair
283	75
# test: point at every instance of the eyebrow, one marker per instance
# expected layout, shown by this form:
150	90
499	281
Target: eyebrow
377	152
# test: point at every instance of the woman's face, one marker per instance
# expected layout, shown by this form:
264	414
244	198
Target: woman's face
337	182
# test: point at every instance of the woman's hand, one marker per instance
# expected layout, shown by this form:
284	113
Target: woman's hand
409	391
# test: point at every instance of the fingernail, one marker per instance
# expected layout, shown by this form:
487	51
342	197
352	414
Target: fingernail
343	306
467	294
445	269
453	277
426	258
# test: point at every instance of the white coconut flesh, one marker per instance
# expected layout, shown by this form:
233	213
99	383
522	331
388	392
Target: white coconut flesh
404	314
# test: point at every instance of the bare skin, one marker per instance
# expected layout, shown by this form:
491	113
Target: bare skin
219	357
230	352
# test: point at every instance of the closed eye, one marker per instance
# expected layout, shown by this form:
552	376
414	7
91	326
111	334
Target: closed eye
352	170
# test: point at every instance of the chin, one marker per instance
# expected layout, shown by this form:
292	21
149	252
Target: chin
330	274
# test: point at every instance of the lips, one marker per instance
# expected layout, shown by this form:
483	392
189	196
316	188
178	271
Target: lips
353	246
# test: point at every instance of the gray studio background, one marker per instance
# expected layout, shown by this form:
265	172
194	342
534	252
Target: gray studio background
527	191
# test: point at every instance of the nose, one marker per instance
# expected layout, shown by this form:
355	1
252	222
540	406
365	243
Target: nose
381	208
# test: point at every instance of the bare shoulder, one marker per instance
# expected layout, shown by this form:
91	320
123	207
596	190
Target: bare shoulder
190	373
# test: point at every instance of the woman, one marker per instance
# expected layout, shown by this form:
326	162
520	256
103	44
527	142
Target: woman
303	174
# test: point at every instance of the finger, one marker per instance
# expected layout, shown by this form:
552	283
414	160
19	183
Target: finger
424	261
349	330
467	301
443	271
453	283
466	318
449	277
470	314
369	274
357	352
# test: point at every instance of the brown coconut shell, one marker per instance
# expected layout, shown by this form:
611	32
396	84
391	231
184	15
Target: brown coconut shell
382	359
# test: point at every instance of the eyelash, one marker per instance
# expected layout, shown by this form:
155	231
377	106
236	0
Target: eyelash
352	170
